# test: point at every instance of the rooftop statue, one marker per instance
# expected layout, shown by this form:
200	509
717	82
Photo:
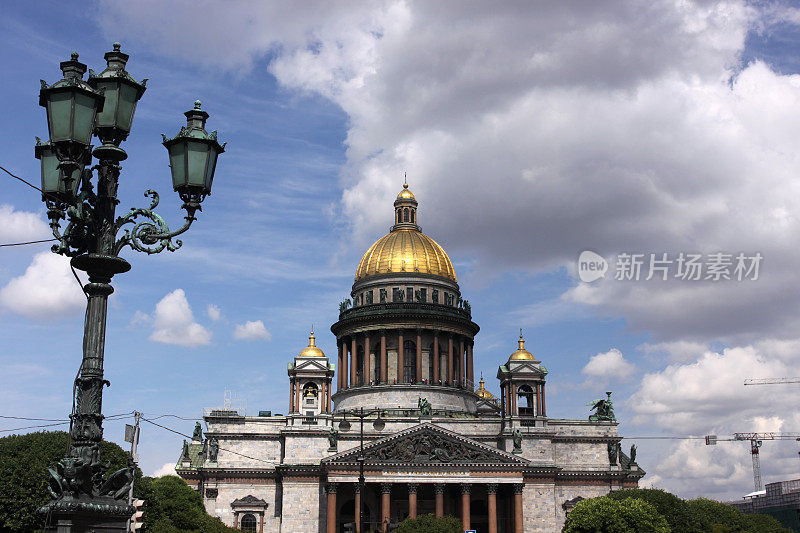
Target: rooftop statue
603	409
424	407
198	432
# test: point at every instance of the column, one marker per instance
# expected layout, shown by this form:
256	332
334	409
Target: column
353	363
514	399
465	501
261	522
412	500
386	492
436	357
450	359
328	396
291	395
297	397
400	354
461	363
491	489
419	355
518	507
366	359
236	521
503	400
384	359
331	507
470	373
438	489
343	365
357	511
544	411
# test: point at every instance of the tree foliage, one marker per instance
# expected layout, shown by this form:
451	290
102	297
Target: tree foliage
172	506
428	523
606	515
678	513
24	460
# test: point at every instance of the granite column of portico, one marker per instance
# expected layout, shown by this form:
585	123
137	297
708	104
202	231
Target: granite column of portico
470	372
412	500
386	493
466	490
331	489
491	490
357	489
518	524
438	489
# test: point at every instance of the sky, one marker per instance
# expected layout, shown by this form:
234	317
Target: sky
530	133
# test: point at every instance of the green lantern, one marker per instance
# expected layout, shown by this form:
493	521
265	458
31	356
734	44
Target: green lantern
121	92
193	156
72	106
55	184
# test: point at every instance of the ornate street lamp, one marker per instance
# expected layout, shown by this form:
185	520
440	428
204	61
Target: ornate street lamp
84	498
378	425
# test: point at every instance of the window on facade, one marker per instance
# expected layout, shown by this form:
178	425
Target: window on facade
409	361
399	216
409	294
248	522
431	357
405	215
360	365
397	295
412	215
423	294
310	390
526	404
435	296
377	365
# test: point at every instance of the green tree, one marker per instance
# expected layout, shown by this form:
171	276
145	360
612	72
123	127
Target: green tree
723	518
606	515
677	512
428	523
172	506
24	460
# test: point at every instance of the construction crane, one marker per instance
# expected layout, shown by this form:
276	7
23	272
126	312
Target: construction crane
756	439
771	381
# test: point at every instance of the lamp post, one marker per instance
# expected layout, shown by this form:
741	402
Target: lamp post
379	424
84	499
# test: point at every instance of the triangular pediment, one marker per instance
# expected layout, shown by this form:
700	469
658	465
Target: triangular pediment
521	367
308	364
427	444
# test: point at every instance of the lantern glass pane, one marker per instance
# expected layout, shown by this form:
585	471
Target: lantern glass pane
198	162
59	111
85	107
212	163
107	117
177	151
127	104
49	172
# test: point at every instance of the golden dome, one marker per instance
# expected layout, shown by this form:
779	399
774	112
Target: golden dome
311	350
405	250
482	392
522	354
405	194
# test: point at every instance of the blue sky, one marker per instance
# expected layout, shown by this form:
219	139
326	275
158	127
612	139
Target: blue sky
528	136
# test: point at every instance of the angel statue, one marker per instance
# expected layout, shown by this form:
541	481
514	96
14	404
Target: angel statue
603	409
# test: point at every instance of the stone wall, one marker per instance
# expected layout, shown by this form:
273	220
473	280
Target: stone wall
301	507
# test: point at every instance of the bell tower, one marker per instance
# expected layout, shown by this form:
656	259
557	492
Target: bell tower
310	377
522	381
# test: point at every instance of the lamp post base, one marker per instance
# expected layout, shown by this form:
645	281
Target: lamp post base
87	515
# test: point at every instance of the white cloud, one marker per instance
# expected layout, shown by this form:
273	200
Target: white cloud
250	331
678	351
609	364
168	469
46	291
173	322
213	312
20	226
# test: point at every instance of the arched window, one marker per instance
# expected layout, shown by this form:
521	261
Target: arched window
399	216
412	215
526	404
409	361
248	522
360	365
310	390
405	215
377	366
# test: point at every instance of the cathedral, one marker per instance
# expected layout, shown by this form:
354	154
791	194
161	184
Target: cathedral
405	430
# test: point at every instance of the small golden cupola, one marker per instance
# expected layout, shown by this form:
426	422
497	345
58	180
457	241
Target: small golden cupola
521	354
311	350
482	392
405	209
